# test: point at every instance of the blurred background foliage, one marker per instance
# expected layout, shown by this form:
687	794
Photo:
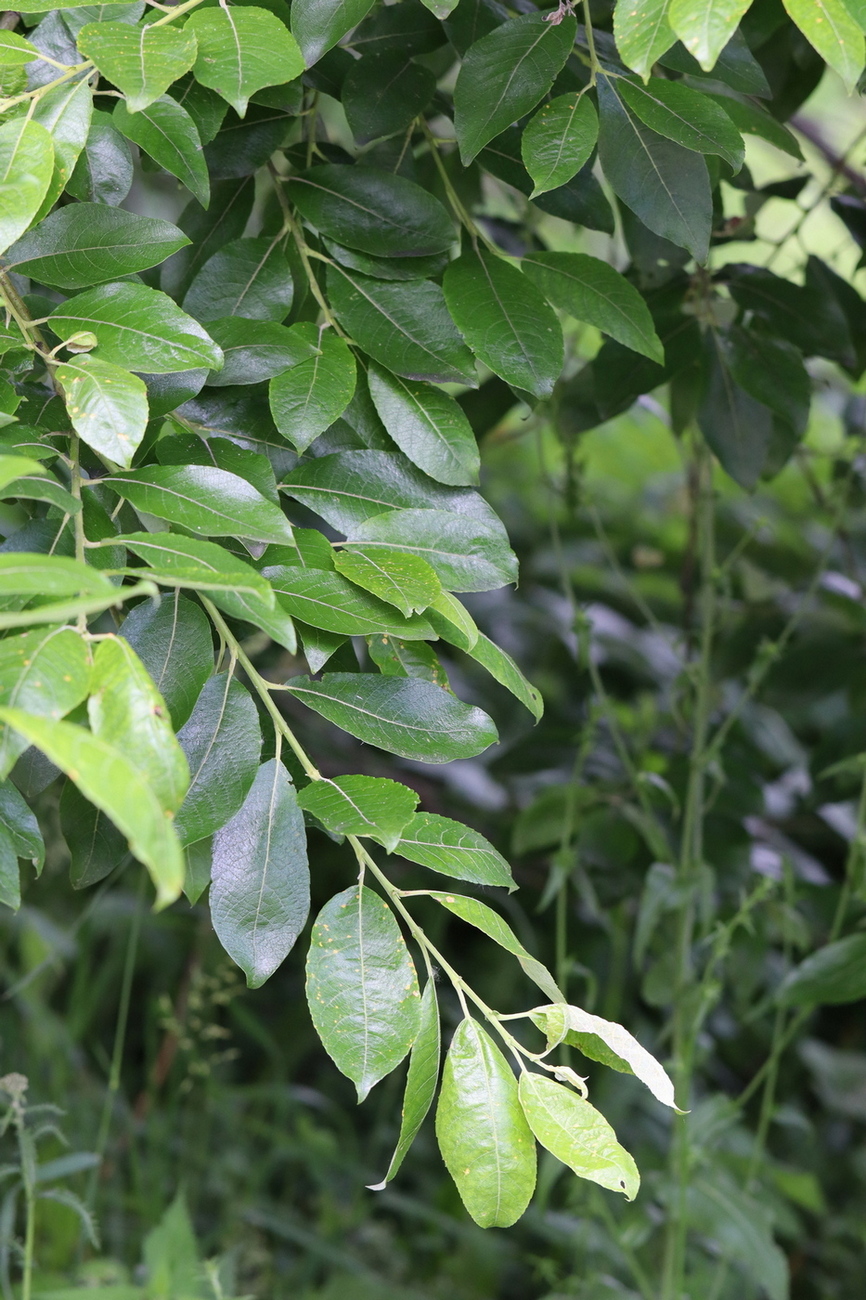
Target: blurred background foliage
139	1028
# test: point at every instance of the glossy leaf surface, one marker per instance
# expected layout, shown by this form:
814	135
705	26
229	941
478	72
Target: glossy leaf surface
361	805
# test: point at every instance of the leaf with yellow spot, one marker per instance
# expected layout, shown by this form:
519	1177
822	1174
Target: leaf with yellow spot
107	406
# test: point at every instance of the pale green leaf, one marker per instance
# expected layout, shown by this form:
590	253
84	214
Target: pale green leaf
26	168
142	60
28	574
325	599
558	141
405	581
45	672
195	564
476	913
241	50
834	33
15	50
361	987
486	1143
577	1134
361	805
421	1081
107	406
502	667
642	32
705	26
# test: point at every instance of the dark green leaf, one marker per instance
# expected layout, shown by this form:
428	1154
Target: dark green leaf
684	115
454	850
168	134
506	321
319	24
222	741
138	328
242	49
737	427
249	277
375	211
405	326
260	880
361	987
96	846
831	976
308	398
772	371
87	243
172	638
21	829
665	185
256	350
751	119
384	92
103	172
404	716
427	425
204	499
505	74
577	1134
361	805
593	291
467	553
487	1146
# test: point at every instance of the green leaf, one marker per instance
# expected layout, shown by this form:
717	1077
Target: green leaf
454	850
751	119
260	880
222	741
372	210
666	186
831	30
20	837
66	113
248	277
361	805
405	581
103	172
126	710
256	350
592	291
206	500
642	32
577	1134
14	467
453	621
319	24
107	406
487	1146
88	243
737	428
505	74
252	609
607	1042
831	976
26	574
47	672
325	599
771	371
361	987
705	26
491	923
396	658
15	51
404	716
347	488
404	326
142	61
116	786
138	328
427	425
172	638
685	116
96	846
26	168
41	487
241	50
171	1255
421	1081
195	564
466	553
384	92
558	141
502	667
167	133
308	398
506	321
